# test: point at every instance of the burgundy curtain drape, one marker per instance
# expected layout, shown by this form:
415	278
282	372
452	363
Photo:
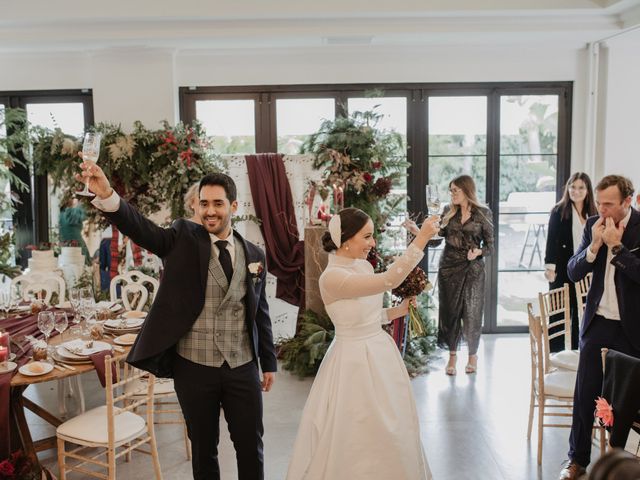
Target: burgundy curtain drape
274	207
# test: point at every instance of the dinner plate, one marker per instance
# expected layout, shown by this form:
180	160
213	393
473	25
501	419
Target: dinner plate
124	324
127	339
47	367
75	361
10	367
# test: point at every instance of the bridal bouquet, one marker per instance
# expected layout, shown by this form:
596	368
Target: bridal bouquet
412	286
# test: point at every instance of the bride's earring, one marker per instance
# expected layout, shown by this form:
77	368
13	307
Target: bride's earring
346	247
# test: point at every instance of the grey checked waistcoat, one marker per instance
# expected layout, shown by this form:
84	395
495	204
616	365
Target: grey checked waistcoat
220	331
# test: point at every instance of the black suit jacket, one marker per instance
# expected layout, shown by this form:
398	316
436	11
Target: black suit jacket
559	247
185	248
627	277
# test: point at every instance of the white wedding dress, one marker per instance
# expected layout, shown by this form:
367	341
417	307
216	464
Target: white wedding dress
360	420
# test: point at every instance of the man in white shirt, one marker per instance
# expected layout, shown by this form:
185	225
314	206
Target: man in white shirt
610	250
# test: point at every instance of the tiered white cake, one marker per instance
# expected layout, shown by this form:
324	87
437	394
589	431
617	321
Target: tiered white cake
71	262
42	261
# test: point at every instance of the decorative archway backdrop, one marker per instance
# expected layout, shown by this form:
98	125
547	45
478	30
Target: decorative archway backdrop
300	172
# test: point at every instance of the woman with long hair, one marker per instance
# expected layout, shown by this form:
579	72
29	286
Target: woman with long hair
468	234
360	420
564	233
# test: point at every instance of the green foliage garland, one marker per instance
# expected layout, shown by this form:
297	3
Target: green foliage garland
363	160
303	353
14	122
149	168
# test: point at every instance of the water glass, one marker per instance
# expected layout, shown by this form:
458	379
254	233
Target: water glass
46	324
74	300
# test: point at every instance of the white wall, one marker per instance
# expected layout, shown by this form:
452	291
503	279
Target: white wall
621	126
141	84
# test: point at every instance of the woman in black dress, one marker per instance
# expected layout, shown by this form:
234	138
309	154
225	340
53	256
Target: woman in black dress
468	232
564	233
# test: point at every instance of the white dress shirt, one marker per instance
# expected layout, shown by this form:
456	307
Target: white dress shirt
577	227
608	306
112	203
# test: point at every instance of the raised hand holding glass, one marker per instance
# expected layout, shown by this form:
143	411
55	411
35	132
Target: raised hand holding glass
90	152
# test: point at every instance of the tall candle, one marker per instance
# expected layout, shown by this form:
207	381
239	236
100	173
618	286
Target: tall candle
4	339
4	355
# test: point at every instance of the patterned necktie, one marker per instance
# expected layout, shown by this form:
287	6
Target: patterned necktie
225	259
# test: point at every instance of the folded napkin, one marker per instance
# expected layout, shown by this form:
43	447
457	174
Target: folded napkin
98	362
79	347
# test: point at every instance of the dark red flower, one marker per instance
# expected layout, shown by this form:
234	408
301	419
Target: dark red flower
382	187
367	177
376	165
6	469
415	283
373	258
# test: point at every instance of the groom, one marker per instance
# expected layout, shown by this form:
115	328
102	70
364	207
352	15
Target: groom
209	325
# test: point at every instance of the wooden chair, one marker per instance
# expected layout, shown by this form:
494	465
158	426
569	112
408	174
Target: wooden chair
114	429
556	303
582	288
165	404
549	390
133	277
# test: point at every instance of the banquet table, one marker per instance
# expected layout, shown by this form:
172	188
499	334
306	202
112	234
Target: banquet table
20	435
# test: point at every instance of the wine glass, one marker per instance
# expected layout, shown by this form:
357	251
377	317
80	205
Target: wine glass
6	302
45	324
74	300
60	322
90	151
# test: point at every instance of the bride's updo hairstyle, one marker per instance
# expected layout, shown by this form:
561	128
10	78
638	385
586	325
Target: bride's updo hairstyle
352	220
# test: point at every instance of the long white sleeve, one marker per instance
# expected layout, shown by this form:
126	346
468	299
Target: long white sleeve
340	283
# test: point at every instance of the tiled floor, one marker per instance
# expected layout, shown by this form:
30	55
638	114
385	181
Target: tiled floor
473	426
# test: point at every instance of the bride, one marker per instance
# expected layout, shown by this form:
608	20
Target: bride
360	420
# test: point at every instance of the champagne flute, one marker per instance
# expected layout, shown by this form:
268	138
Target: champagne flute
434	205
90	151
60	322
433	199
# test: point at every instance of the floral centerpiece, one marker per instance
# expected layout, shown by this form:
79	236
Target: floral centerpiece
18	467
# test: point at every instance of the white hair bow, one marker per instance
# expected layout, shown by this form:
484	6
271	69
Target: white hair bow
335	229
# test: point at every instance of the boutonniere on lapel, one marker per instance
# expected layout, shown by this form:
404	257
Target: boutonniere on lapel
255	269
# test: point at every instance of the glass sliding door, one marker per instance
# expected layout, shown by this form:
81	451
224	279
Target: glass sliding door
527	192
68	117
230	123
457	145
298	118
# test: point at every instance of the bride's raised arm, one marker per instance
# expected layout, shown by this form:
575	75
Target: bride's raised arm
337	284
